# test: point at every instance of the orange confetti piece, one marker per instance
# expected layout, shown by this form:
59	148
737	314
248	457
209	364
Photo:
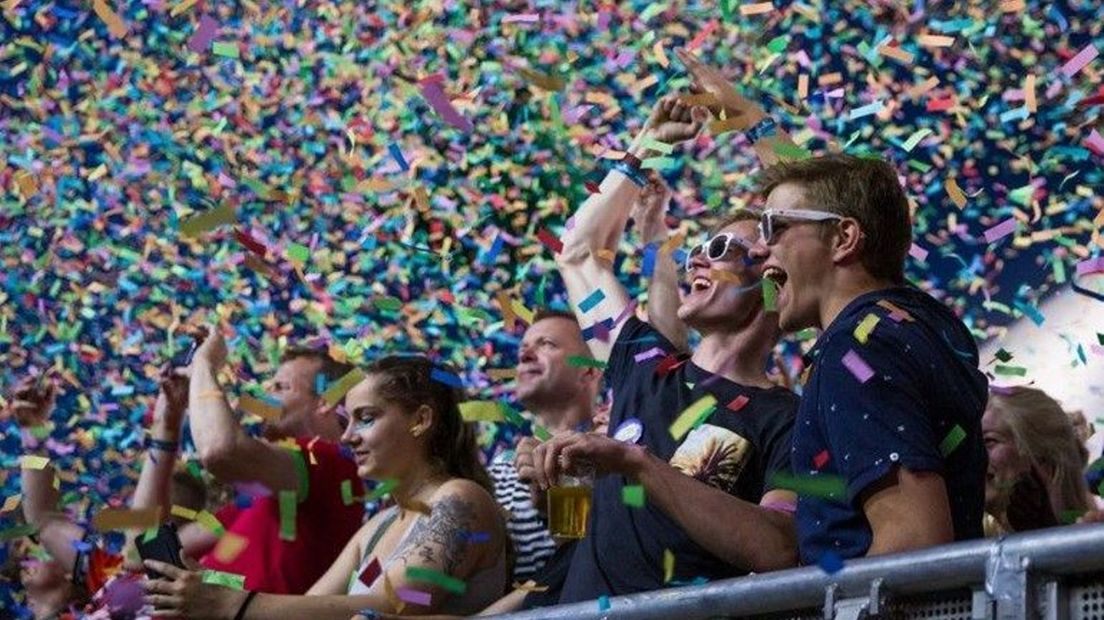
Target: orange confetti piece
758	8
229	547
115	24
934	40
661	54
1029	94
955	192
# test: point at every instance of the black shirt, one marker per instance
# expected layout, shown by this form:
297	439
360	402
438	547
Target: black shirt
737	447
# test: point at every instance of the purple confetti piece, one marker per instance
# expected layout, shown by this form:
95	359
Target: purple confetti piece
1095	142
205	33
649	354
1005	228
857	366
1078	62
918	252
435	95
417	597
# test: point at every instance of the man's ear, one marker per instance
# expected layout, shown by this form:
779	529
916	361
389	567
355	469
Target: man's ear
847	241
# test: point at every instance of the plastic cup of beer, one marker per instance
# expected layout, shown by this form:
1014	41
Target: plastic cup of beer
569	504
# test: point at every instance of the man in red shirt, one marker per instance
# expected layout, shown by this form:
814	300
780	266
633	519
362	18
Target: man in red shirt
297	526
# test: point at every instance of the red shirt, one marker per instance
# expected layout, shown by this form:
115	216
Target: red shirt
323	525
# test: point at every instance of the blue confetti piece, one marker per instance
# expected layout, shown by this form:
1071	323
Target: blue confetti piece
830	562
396	152
592	300
446	377
648	268
603	603
319	383
489	257
1030	312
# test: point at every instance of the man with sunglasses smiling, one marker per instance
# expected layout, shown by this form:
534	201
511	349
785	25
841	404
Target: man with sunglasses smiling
893	398
708	510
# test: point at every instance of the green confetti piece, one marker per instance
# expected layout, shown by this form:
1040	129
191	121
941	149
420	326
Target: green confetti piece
288	505
1003	355
210	522
770	295
226	50
150	534
821	485
347	492
808	333
481	411
651	11
541	433
428	575
952	440
1014	371
40	432
657	146
18	531
512	416
388	304
778	44
692	416
633	495
1100	339
228	580
786	150
915	139
1059	270
581	361
298	253
1069	517
658	163
383	488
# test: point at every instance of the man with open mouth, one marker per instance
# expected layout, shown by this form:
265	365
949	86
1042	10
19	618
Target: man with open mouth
892	404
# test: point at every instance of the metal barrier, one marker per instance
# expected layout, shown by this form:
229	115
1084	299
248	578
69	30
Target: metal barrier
1051	574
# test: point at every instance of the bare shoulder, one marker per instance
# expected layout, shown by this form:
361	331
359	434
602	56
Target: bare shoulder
466	491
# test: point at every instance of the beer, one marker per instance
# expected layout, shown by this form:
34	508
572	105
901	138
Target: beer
568	511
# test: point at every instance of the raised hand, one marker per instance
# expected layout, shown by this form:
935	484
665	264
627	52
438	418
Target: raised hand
172	398
32	402
213	349
712	81
673	121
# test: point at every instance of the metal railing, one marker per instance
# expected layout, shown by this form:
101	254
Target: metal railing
1050	574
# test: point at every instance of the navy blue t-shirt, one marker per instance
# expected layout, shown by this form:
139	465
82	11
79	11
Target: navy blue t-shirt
906	395
737	448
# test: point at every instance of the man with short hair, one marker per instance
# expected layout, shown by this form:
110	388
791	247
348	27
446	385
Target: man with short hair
708	508
893	398
297	529
562	398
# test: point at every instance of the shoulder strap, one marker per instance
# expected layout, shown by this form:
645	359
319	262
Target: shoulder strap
380	531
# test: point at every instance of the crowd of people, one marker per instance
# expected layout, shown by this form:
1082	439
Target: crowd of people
897	441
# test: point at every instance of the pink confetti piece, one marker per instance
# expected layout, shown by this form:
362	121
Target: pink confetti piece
857	366
1092	265
435	95
820	459
1097	350
647	355
738	402
1078	62
526	18
1005	228
416	597
205	32
1095	142
918	252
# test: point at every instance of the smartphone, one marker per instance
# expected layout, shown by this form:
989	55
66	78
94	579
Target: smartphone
183	357
163	547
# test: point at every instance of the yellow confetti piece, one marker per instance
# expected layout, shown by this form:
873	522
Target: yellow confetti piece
702	99
11	503
28	187
523	313
422	198
115	24
729	124
1012	6
110	519
181	7
541	80
896	53
934	40
606	255
668	566
33	461
502	374
691	416
258	407
337	390
661	54
803	86
672	242
863	329
182	512
530	586
1029	94
229	547
508	316
757	8
955	192
830	78
481	411
210	522
201	222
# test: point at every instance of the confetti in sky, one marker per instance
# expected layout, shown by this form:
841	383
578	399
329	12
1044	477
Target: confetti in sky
380	179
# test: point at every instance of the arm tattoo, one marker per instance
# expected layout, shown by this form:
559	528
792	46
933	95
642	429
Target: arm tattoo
440	535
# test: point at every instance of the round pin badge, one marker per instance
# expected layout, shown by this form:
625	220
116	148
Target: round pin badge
629	431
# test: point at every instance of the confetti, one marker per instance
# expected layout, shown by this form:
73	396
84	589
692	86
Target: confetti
633	495
416	597
858	366
337	390
445	582
288	505
692	416
226	580
481	411
952	440
820	485
108	519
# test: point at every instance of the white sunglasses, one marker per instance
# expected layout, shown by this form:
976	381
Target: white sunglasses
767	220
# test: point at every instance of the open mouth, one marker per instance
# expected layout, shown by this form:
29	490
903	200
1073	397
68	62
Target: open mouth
700	283
776	275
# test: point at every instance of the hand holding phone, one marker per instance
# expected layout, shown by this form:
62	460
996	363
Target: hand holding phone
164	547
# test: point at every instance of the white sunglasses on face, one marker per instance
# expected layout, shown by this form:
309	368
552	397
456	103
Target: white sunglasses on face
767	220
717	248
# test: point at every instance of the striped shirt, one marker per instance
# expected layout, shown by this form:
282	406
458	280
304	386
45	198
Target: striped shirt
533	545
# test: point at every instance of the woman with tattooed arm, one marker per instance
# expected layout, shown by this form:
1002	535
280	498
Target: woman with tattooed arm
445	528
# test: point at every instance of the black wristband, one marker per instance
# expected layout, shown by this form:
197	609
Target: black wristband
245	605
162	445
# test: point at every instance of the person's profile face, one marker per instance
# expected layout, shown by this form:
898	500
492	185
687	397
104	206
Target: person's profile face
1006	464
723	282
378	431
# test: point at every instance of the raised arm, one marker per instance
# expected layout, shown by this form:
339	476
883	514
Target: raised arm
754	537
663	292
155	481
32	404
586	262
224	448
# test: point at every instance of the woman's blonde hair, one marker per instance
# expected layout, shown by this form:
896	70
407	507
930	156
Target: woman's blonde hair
1044	434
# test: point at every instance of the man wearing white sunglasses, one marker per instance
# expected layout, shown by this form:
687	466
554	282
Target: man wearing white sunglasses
892	403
